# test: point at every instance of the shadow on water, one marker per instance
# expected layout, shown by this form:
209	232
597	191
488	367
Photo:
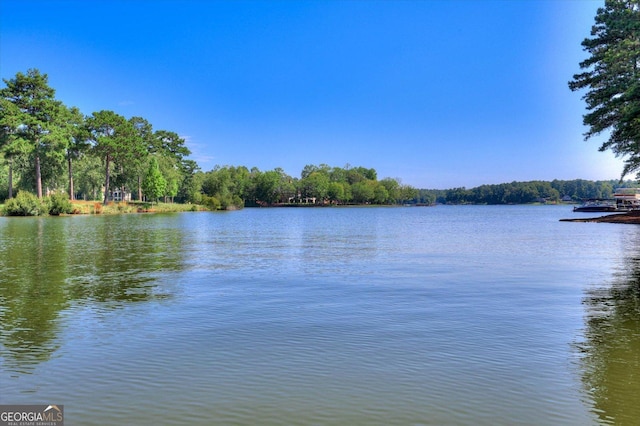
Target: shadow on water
610	362
49	265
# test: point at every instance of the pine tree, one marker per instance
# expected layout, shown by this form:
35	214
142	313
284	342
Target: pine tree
612	79
115	139
38	115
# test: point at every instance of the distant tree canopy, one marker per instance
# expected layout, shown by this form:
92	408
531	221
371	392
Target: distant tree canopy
317	185
523	192
41	139
611	76
46	145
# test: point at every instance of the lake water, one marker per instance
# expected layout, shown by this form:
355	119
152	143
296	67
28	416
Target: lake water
450	315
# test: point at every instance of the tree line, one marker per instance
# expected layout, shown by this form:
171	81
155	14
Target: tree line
48	147
45	144
524	192
317	185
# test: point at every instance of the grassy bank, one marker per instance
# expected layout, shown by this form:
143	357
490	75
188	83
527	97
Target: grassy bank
96	207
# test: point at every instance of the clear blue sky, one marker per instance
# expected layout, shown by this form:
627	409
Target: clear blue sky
437	93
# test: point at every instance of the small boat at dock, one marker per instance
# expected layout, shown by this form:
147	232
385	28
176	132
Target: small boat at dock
597	205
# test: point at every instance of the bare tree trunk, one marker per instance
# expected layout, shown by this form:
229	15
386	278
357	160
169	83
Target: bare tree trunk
10	177
38	177
71	192
106	182
139	188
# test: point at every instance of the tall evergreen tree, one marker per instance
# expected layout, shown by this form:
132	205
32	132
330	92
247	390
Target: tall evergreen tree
611	75
12	143
39	114
170	144
145	131
115	139
172	149
189	187
77	142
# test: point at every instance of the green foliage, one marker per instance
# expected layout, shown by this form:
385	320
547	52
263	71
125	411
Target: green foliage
212	203
520	192
408	193
236	203
315	185
89	177
25	204
31	121
172	174
172	187
116	140
266	187
59	204
380	193
363	191
77	142
170	145
41	139
611	76
13	146
318	184
189	188
336	192
154	184
4	180
228	185
106	150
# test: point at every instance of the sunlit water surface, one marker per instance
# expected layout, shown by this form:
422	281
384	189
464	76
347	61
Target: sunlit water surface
451	315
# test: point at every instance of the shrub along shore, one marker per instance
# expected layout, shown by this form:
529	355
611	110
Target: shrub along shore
27	204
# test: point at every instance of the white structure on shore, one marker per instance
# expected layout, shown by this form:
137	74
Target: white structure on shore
627	198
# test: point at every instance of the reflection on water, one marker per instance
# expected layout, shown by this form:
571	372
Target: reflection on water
453	315
611	350
49	264
33	267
